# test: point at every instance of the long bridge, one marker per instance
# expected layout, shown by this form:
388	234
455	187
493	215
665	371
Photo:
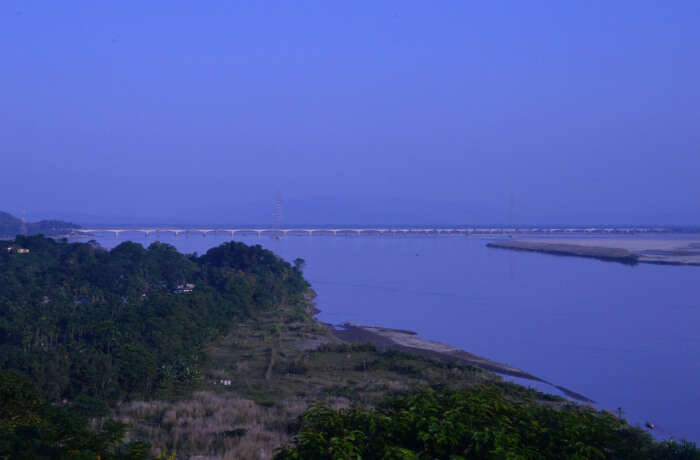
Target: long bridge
366	231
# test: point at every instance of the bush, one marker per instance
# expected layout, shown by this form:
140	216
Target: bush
31	428
478	423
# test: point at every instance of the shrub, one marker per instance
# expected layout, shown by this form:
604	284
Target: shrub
476	423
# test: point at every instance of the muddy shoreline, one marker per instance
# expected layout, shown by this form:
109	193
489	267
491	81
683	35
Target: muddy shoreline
409	342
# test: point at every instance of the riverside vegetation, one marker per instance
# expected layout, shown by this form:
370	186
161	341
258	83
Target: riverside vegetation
137	353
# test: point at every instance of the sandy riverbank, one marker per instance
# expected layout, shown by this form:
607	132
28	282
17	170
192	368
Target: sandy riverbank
624	250
409	342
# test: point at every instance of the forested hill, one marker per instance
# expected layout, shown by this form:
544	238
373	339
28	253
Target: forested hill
11	226
130	322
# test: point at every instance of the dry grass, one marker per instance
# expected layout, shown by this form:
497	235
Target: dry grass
276	371
209	425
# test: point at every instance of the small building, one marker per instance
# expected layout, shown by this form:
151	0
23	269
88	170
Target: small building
17	249
184	288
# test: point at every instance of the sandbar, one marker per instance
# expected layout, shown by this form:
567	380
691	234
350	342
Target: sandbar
668	251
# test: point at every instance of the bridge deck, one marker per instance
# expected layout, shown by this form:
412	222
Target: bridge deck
373	231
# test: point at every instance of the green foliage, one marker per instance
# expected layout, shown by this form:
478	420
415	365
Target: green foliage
19	400
478	423
299	264
235	433
31	428
82	321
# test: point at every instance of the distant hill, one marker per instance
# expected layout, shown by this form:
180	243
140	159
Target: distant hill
10	226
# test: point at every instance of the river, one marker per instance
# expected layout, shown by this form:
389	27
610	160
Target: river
624	336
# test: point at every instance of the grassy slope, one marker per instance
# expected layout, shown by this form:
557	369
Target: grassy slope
285	361
276	370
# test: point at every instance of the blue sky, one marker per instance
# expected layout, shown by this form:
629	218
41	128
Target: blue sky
356	112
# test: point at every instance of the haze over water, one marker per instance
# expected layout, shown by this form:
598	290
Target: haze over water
388	112
624	336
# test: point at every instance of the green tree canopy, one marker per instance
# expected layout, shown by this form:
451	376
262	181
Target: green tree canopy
477	423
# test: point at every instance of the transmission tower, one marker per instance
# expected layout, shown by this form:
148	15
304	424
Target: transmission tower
511	209
277	216
24	222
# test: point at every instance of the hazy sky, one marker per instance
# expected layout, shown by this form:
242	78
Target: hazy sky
356	111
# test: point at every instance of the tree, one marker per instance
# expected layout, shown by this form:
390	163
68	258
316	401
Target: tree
299	264
19	401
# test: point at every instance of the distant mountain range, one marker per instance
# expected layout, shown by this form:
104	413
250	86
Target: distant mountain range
10	226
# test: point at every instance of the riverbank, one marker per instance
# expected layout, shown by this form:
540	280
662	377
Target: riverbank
584	334
629	251
409	342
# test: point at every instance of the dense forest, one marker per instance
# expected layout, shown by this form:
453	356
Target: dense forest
82	327
11	226
32	428
82	321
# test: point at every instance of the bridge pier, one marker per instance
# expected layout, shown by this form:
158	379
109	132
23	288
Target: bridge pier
357	231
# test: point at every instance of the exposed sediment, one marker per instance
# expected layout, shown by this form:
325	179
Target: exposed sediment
642	251
409	342
577	250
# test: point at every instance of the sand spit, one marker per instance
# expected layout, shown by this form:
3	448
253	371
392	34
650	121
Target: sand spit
596	252
409	342
627	251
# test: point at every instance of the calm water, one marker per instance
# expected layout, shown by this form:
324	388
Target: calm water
623	336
